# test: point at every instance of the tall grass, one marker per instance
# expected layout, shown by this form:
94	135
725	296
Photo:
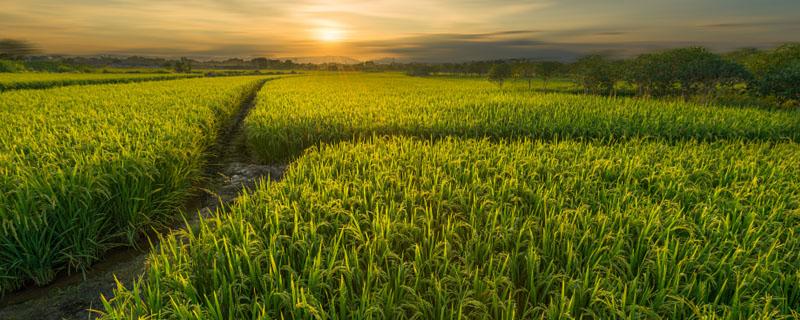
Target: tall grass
399	228
85	168
296	113
14	81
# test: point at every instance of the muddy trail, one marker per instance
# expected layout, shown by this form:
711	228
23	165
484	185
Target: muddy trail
229	171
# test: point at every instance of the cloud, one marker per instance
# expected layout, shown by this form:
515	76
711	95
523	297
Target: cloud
212	52
410	29
457	47
752	24
611	33
464	47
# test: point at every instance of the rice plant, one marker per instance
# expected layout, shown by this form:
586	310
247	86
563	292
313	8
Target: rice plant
296	113
564	207
398	228
86	168
13	81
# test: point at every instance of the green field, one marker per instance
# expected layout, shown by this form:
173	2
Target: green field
14	81
85	168
408	160
296	113
430	198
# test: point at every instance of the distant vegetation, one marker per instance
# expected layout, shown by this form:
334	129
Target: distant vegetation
769	75
184	65
687	72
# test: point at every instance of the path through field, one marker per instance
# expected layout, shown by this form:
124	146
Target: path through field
229	172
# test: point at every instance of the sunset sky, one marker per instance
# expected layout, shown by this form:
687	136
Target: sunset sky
407	30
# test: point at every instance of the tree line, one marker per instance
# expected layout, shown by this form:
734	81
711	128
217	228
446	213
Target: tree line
20	56
683	72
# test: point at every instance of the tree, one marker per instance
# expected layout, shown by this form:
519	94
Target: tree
260	63
478	67
771	70
499	72
634	74
687	71
712	72
687	63
548	69
184	65
743	56
15	49
525	70
697	70
782	84
761	63
596	74
420	70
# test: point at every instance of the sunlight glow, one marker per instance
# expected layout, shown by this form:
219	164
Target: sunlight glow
329	34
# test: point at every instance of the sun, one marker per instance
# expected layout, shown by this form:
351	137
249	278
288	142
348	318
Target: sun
329	34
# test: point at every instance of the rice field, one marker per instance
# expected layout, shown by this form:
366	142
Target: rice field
86	168
15	81
430	198
294	114
400	228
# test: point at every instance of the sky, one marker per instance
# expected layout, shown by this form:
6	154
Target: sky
407	30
